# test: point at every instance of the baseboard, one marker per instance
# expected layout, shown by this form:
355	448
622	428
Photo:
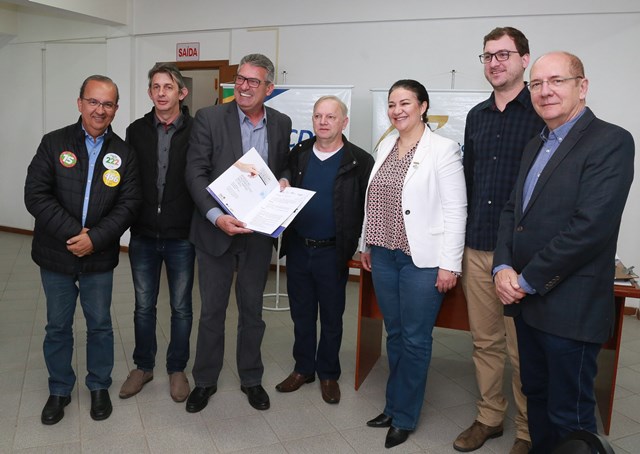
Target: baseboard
15	230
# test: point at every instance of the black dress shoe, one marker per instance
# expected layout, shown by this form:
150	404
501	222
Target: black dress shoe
258	397
53	410
381	420
199	398
396	437
100	404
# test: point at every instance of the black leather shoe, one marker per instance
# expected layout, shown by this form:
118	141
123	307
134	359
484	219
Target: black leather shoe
381	420
396	437
100	404
53	410
199	398
258	397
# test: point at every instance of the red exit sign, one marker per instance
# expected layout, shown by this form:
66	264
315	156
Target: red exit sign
187	51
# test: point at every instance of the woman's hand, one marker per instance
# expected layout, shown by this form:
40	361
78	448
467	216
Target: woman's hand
446	280
365	258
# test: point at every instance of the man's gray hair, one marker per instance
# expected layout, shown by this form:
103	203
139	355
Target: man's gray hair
261	61
343	106
169	69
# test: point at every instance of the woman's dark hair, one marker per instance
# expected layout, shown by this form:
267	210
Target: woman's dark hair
417	88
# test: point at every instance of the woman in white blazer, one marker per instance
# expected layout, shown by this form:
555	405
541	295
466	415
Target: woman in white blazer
412	242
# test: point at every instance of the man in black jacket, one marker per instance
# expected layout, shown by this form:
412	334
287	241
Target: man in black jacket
82	189
161	232
321	240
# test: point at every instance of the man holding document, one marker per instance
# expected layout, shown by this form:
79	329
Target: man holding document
220	136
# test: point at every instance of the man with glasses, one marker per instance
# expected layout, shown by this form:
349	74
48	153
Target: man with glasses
82	189
496	132
219	137
161	232
555	253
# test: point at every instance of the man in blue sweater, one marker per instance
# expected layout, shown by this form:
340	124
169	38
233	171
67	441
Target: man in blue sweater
319	243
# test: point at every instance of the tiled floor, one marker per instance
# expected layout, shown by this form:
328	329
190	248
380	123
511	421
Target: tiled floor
299	422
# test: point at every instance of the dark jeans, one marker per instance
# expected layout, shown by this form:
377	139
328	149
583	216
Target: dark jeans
146	256
315	283
62	292
558	377
409	302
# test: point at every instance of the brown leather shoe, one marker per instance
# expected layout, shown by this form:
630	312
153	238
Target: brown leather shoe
475	436
520	446
179	386
330	391
135	381
294	381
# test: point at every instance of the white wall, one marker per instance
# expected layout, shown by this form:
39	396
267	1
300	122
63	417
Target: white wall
367	44
21	120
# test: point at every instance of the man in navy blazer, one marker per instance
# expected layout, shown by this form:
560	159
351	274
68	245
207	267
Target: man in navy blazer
554	262
219	137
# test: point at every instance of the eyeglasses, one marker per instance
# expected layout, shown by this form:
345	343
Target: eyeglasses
501	55
253	83
109	106
555	82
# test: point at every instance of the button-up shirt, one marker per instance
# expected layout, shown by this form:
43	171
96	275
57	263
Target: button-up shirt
93	150
493	145
165	134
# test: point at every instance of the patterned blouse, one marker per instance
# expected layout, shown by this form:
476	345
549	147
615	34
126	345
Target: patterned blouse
385	224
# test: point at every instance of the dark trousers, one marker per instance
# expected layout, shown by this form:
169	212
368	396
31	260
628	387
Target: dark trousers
250	256
558	377
316	284
146	256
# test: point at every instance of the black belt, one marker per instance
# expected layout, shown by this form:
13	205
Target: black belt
319	243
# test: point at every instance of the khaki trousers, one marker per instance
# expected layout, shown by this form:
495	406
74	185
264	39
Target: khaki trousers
494	336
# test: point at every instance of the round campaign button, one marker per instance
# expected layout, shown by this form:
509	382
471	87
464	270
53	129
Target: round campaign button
111	161
68	159
111	178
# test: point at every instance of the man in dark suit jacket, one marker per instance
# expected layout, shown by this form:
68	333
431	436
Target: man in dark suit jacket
220	136
554	262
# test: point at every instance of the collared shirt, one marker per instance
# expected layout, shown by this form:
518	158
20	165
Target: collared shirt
254	136
551	140
493	145
165	134
93	150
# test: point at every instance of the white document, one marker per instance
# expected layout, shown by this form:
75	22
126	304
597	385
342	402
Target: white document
249	191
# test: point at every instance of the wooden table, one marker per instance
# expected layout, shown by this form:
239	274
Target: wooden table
453	315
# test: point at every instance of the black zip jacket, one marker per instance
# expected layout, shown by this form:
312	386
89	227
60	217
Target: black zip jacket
54	193
169	218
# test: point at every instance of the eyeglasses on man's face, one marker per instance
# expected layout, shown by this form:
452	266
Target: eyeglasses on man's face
252	82
555	82
94	103
501	55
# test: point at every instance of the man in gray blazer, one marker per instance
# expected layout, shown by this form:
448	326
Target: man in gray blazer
554	261
219	137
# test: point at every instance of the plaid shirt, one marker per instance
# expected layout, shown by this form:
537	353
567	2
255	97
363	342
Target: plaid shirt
493	145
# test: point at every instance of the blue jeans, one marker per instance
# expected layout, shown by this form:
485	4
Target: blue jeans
62	292
410	303
146	256
315	284
558	376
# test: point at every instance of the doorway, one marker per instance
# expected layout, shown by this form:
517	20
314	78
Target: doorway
205	78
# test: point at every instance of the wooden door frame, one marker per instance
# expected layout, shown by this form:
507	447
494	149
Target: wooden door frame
226	71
